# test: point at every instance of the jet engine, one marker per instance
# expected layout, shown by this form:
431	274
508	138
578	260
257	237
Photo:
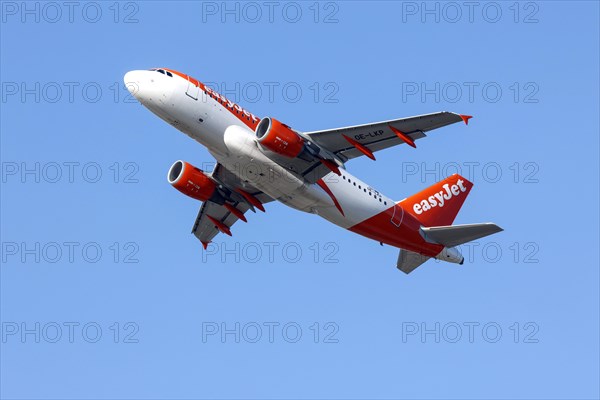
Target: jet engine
279	138
191	181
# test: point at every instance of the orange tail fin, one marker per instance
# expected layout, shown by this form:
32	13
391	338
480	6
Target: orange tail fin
439	204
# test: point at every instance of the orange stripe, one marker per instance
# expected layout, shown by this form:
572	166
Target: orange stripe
250	123
324	186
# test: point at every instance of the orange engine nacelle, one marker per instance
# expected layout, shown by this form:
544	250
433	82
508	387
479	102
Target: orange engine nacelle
191	181
279	138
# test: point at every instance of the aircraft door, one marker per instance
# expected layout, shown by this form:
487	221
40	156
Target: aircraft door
192	90
398	215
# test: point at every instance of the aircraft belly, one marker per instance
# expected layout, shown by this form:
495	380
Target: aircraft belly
245	160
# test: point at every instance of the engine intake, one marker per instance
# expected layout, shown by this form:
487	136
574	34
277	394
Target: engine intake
191	181
279	138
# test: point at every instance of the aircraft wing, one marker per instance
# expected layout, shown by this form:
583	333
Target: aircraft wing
214	218
346	143
381	135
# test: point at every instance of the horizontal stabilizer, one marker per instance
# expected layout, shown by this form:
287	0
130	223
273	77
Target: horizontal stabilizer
408	261
455	235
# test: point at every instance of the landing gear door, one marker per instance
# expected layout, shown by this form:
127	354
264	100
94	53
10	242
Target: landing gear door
398	216
192	90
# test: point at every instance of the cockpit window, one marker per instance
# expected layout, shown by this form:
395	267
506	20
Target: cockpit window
162	71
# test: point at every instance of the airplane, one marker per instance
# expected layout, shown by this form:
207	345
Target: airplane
260	160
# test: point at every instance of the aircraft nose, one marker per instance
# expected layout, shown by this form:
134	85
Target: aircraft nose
149	87
133	80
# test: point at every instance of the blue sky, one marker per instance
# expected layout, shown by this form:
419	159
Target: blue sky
105	294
